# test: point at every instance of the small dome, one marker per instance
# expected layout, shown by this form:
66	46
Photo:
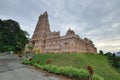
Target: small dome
87	40
70	32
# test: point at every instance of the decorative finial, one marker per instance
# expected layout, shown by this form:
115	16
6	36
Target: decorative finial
69	29
45	13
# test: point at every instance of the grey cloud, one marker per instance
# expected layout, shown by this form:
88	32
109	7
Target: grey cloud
95	19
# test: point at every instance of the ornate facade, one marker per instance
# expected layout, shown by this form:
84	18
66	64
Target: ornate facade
51	42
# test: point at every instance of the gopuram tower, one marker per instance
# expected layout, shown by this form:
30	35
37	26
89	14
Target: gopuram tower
38	39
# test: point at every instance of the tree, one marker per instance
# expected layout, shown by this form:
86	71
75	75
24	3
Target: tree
108	54
113	59
101	52
12	37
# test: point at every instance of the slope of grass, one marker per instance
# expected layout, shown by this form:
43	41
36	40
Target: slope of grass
98	62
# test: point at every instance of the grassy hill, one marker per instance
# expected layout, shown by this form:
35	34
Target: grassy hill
98	62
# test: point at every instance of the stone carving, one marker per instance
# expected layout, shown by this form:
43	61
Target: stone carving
46	41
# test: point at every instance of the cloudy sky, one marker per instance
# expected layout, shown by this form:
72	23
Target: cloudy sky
98	20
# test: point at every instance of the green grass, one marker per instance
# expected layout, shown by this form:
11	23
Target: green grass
98	62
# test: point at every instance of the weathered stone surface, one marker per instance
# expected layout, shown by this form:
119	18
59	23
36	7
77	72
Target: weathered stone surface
46	41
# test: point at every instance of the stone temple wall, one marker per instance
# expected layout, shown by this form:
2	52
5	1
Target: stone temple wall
45	41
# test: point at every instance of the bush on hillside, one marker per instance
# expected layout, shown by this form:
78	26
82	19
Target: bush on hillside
48	61
38	61
90	69
97	77
25	61
68	71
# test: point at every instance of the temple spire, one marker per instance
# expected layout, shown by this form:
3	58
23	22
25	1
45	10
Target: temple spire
43	23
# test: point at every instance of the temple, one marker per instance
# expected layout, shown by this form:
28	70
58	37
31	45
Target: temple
46	41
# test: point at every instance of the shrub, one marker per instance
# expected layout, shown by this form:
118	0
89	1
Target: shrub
91	72
30	58
20	55
90	69
97	77
68	71
38	61
83	74
25	61
37	65
54	69
48	61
